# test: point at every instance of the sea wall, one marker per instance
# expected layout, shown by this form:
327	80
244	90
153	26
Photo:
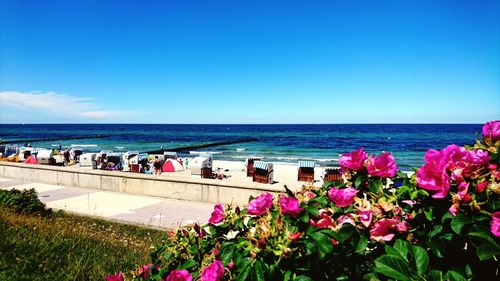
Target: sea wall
192	189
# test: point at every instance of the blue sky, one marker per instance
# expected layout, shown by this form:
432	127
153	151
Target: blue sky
249	61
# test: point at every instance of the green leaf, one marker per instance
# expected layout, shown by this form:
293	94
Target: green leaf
435	275
487	251
445	217
309	247
304	217
245	269
259	273
428	214
303	278
435	231
320	199
421	259
376	186
323	242
359	181
344	233
452	275
393	266
312	210
437	247
459	222
403	248
287	276
484	236
227	253
362	243
188	264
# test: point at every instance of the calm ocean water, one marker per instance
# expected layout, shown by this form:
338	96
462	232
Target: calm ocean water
278	143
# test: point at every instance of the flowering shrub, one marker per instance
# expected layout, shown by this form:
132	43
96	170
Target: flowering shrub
440	223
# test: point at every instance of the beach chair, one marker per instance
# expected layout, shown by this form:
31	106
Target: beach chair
249	162
306	171
263	172
332	174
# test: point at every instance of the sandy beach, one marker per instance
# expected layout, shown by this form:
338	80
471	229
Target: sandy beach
284	174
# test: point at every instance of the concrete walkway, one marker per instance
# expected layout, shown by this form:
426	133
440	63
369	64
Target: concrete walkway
135	209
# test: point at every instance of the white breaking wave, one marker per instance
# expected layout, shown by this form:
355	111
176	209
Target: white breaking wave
83	145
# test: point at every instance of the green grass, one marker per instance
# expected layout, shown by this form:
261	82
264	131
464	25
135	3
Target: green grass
70	247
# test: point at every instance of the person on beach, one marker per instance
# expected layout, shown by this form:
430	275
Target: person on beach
180	161
187	163
157	166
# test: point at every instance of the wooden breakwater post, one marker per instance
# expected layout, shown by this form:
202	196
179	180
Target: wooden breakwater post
203	145
56	138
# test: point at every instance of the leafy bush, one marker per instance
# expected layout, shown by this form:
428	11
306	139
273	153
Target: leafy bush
439	223
23	201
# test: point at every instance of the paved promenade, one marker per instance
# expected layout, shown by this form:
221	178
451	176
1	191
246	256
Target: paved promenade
136	209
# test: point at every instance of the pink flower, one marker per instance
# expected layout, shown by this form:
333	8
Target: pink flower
454	209
491	132
144	271
482	186
402	227
353	160
294	236
495	224
349	218
383	229
117	277
365	216
290	206
432	176
260	204
479	157
213	272
409	202
217	214
179	275
325	221
463	188
230	266
383	166
342	197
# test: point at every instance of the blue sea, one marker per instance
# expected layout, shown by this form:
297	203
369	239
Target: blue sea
277	143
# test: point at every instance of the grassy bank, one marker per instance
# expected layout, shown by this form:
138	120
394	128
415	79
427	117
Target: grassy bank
69	247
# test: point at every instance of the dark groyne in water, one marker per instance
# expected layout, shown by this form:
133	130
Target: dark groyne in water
55	139
186	148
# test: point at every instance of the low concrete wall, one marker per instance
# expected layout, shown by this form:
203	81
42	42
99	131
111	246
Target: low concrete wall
201	190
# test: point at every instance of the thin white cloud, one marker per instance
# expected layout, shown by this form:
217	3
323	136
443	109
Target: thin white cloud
61	105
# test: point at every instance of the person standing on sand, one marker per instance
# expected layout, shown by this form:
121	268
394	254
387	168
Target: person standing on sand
157	166
180	161
187	163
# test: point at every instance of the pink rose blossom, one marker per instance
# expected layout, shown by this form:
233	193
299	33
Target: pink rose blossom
463	188
479	157
383	166
491	132
213	272
342	197
113	277
294	236
432	176
482	186
260	204
495	224
217	214
402	227
454	209
179	275
365	216
353	160
230	266
324	221
383	229
290	206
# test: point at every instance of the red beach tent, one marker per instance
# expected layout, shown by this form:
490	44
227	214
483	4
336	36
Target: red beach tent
31	160
172	165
